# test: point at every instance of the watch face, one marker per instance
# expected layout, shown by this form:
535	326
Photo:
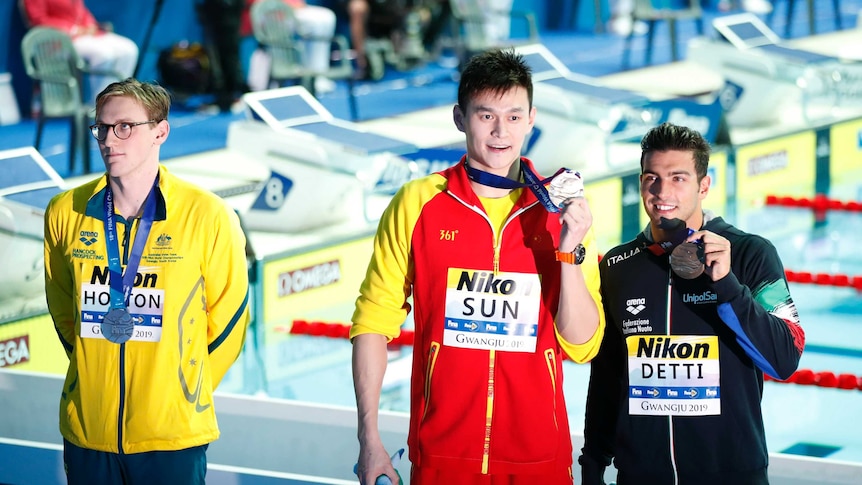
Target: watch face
580	252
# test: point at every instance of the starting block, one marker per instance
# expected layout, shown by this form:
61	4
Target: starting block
322	169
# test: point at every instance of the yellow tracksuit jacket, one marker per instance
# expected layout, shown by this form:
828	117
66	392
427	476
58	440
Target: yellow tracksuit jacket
189	302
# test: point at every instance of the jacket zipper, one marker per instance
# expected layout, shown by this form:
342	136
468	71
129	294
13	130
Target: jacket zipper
496	237
670	418
492	356
127	237
489	411
121	411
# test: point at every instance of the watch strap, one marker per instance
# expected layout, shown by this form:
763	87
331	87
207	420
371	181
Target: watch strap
565	257
574	257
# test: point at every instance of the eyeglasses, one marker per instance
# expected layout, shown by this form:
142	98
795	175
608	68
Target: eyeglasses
122	130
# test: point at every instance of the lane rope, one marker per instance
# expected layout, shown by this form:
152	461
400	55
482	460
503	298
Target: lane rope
824	279
803	377
828	379
819	203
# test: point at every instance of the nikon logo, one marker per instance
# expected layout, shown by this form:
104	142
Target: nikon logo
101	276
485	282
705	297
664	348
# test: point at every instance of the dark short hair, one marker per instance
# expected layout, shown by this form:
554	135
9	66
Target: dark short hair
668	136
155	99
496	71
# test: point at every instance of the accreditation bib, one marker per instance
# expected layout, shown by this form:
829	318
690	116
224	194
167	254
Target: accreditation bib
674	375
145	307
492	311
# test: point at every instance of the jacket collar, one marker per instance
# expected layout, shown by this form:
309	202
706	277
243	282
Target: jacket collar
96	202
459	184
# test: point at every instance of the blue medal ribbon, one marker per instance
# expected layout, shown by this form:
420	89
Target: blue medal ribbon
117	323
535	185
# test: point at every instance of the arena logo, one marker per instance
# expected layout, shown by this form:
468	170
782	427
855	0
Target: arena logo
317	276
88	237
14	351
770	162
635	305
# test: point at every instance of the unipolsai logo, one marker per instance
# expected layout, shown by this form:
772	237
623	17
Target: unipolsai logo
700	299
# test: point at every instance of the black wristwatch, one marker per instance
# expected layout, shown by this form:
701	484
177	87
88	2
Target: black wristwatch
575	257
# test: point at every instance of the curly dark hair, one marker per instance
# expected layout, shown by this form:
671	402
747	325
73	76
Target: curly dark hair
668	136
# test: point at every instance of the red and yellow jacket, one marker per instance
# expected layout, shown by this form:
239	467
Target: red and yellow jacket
486	393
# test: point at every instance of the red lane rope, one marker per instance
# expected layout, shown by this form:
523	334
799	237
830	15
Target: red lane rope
804	377
819	203
336	330
828	379
824	279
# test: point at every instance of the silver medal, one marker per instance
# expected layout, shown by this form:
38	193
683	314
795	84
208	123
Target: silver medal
565	186
117	326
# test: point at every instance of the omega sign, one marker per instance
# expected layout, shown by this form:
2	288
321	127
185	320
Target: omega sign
316	276
14	351
771	162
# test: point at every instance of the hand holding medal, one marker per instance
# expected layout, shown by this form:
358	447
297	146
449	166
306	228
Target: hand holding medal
686	257
566	192
567	185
